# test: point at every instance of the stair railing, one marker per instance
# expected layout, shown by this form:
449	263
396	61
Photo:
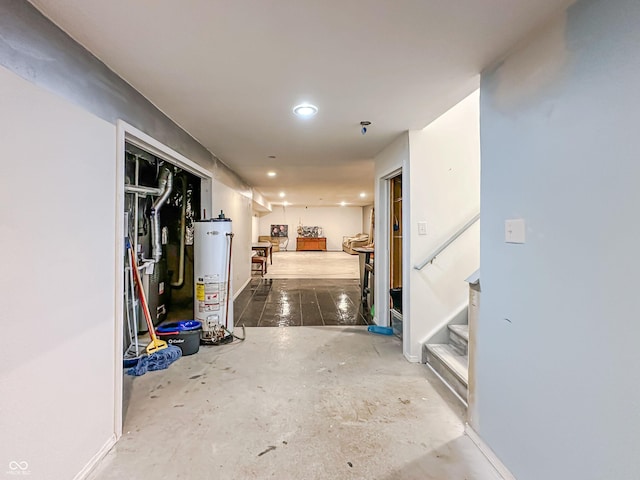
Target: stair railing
432	257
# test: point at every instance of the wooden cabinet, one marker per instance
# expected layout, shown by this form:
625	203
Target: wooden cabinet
311	243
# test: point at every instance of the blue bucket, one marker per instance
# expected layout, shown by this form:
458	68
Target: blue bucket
181	326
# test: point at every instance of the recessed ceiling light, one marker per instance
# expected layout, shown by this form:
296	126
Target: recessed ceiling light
271	174
362	195
342	204
305	110
281	194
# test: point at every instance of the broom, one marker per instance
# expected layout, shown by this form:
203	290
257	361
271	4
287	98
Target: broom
155	344
160	355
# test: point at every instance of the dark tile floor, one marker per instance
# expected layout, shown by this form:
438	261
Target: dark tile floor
296	302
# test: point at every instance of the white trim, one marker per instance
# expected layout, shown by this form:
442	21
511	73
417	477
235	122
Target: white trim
118	328
128	133
412	358
153	146
408	340
488	453
91	465
382	244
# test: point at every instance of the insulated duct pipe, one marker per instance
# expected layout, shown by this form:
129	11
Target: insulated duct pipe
165	185
183	227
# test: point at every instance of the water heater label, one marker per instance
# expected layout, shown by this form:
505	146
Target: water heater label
200	292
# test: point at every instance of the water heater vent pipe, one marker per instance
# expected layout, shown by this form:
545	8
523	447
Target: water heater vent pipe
165	185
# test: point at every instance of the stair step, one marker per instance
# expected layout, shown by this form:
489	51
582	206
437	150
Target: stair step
460	330
450	366
458	364
459	338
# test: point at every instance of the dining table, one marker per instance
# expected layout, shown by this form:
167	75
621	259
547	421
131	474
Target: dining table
267	247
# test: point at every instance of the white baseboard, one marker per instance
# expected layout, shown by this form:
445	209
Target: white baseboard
488	453
88	468
412	358
239	291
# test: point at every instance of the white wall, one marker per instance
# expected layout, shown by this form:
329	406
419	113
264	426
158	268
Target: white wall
255	227
366	218
392	158
57	251
444	193
237	207
558	330
59	214
336	222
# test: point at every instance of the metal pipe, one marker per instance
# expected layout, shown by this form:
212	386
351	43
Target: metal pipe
136	199
142	190
165	184
183	227
227	299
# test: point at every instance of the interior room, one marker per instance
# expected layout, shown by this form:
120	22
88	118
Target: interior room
382	242
334	223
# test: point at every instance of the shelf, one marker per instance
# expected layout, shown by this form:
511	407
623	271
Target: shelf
398	199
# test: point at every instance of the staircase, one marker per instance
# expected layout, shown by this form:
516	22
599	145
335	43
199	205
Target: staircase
450	361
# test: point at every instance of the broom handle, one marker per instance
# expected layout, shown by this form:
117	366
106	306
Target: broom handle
143	299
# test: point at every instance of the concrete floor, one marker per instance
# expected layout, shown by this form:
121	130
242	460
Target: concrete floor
295	403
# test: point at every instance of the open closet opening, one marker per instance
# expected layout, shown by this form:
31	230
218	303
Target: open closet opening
162	202
395	252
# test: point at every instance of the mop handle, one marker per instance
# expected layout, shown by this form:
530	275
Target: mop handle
143	299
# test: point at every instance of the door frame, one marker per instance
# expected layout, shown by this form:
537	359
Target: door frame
382	247
126	133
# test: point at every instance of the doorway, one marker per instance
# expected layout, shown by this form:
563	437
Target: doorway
395	237
395	253
160	193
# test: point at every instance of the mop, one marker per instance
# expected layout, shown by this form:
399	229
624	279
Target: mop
159	354
133	354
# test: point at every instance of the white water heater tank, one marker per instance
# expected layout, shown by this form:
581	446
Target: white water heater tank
212	252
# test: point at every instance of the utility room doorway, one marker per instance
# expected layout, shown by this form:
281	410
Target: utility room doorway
395	252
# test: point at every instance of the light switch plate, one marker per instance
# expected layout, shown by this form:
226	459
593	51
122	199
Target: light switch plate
422	228
514	230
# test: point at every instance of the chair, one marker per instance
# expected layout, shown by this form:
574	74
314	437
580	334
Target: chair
262	264
349	243
275	241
